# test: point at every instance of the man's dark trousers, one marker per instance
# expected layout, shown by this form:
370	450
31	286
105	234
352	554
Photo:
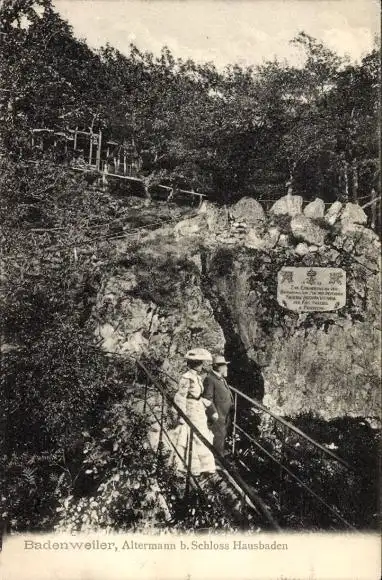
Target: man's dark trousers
216	390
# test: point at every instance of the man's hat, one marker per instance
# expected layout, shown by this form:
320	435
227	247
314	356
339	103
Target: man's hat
219	360
201	354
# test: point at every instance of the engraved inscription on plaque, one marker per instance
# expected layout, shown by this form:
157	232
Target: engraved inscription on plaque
311	289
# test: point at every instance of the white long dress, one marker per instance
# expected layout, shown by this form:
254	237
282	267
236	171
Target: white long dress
189	399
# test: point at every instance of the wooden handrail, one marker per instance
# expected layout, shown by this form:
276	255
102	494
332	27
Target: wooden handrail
293	428
371	202
290	426
283	422
239	480
258	503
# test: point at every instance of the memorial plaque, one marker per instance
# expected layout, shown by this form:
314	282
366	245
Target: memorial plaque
311	289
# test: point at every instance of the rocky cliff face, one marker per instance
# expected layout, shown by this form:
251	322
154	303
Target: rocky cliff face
212	280
153	306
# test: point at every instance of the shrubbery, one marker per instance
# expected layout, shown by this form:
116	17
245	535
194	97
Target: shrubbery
294	508
116	488
55	381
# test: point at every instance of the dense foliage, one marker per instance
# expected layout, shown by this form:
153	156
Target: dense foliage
69	429
54	380
294	506
228	133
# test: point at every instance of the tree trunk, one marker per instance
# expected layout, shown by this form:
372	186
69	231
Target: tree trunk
289	184
355	181
373	209
346	180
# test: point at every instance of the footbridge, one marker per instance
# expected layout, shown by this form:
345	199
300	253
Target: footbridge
261	481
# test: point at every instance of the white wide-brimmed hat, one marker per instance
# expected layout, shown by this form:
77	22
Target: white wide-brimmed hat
219	360
201	354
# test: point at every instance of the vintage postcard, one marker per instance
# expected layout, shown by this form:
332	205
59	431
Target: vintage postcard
190	289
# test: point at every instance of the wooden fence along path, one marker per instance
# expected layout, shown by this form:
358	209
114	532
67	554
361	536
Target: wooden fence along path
89	152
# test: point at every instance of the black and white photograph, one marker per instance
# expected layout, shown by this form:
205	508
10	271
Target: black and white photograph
190	283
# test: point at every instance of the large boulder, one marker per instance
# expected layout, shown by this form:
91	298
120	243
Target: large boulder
247	209
261	241
287	205
306	230
353	214
362	242
315	209
333	212
190	226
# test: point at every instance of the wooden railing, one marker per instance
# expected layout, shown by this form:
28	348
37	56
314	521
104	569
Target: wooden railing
279	459
286	432
115	160
110	159
250	500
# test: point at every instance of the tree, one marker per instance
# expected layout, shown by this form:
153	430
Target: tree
355	104
47	76
329	118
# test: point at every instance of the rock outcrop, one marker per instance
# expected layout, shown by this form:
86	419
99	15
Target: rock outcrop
353	214
333	212
304	229
327	363
212	282
156	308
249	210
315	209
287	205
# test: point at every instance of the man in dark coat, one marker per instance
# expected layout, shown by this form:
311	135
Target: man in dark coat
217	390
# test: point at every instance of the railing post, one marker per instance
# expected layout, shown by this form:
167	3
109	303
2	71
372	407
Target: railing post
373	209
98	158
145	398
104	174
90	146
281	475
189	461
160	441
234	425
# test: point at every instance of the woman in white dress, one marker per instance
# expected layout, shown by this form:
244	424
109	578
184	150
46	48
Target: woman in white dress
189	398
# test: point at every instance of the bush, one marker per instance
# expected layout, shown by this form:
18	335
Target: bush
117	488
55	381
351	438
